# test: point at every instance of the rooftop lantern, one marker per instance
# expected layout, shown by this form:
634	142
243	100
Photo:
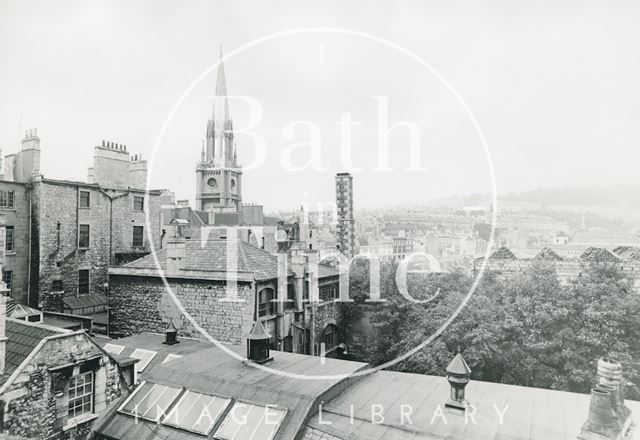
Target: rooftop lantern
458	376
258	344
171	335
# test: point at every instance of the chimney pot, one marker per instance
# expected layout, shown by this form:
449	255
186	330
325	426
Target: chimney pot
608	417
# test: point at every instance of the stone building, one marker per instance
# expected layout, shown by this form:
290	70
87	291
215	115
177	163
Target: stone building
61	236
54	383
225	285
345	232
15	233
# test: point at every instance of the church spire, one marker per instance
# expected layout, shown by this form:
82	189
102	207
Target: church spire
220	103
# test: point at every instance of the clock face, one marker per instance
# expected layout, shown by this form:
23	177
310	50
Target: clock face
212	182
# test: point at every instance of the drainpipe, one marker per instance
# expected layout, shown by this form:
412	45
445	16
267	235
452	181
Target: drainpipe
30	192
111	199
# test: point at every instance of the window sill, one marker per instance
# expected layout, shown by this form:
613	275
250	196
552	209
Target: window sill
9	253
84	418
4	208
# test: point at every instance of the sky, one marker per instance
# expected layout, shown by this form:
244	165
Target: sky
552	86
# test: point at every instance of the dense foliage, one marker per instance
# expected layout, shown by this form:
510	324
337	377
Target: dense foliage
530	330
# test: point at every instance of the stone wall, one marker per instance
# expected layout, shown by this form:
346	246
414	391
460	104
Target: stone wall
17	261
141	303
320	316
34	410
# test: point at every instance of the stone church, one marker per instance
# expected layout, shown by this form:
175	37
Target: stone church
276	273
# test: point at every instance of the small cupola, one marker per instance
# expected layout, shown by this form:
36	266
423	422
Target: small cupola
458	376
258	344
171	335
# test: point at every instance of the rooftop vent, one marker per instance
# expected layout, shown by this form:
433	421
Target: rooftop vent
171	335
258	344
458	376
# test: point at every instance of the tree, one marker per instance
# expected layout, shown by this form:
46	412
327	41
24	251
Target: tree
529	330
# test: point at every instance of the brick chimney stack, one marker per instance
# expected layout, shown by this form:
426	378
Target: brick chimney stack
176	249
609	418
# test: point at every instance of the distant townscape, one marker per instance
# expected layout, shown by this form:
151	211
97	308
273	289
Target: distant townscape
128	314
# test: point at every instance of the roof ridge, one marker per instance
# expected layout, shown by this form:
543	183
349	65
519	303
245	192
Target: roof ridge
38	325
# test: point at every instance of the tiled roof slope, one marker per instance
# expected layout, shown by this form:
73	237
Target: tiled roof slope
23	338
83	301
503	253
547	254
599	255
628	252
212	257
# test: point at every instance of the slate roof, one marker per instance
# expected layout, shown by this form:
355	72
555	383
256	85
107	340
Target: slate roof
503	253
547	254
23	338
212	257
599	255
83	301
628	252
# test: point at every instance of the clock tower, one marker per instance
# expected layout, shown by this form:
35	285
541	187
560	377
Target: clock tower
218	173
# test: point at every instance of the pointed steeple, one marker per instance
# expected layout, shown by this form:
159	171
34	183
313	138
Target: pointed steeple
221	105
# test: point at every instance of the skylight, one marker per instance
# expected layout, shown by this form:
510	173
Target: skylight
113	348
150	401
145	357
171	357
250	422
196	412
